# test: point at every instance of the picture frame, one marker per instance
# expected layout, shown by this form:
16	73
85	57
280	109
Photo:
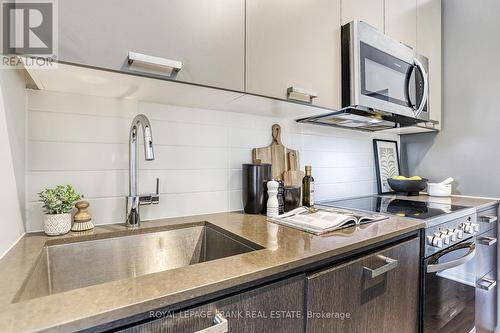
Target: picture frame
387	165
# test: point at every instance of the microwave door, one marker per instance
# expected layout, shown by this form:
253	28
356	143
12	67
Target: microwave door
384	81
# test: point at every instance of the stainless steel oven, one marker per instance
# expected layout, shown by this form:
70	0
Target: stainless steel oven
458	264
449	289
382	74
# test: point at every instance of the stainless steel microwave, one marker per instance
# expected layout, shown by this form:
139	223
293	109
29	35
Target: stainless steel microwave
382	74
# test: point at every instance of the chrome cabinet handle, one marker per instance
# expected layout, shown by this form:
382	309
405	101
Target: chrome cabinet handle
163	62
390	265
306	94
486	284
487	240
220	325
488	218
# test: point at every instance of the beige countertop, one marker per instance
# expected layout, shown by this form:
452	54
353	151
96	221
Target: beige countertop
285	249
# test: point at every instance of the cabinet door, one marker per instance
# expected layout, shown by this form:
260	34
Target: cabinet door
486	257
486	290
206	36
369	11
278	307
357	302
429	44
486	303
401	21
294	43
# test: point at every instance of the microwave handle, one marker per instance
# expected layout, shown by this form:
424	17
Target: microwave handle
433	268
408	90
425	95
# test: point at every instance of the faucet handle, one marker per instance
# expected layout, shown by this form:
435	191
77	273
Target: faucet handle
155	199
149	199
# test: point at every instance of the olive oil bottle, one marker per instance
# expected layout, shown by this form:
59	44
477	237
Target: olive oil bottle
308	188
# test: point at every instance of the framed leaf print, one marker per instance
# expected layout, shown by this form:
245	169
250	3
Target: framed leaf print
386	163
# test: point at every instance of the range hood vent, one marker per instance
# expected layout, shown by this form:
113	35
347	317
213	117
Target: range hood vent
363	119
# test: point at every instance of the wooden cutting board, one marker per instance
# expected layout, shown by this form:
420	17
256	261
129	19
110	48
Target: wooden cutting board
275	154
293	177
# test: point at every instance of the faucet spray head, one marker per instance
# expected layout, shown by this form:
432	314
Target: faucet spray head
148	144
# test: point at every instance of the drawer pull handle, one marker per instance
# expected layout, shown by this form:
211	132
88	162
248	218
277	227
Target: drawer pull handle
390	264
220	325
300	94
487	240
488	218
144	58
486	284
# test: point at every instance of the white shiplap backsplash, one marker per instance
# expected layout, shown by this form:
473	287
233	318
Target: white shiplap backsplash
83	141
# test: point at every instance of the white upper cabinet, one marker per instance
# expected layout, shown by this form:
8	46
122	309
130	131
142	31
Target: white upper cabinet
429	44
207	37
294	43
369	11
401	21
281	49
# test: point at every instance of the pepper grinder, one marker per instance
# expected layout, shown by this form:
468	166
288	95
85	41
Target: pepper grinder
272	201
82	219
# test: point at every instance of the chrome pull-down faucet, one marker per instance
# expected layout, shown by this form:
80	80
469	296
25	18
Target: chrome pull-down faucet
134	201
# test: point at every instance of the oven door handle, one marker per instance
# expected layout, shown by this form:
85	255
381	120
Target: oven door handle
433	268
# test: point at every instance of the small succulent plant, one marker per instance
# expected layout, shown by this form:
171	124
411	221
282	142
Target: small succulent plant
59	200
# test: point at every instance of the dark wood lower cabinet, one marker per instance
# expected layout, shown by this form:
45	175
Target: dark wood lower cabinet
277	307
346	298
377	292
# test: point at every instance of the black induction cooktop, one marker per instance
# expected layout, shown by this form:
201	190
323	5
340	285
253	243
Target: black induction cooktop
395	206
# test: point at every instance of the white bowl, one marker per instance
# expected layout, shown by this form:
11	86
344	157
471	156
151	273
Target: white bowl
438	190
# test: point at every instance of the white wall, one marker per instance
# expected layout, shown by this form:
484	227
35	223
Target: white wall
83	141
467	146
12	110
13	88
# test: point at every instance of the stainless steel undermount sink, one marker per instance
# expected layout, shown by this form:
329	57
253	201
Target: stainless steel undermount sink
75	265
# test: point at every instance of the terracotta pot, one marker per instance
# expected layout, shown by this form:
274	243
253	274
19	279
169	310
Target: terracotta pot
56	224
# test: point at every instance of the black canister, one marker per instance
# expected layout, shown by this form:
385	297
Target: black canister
292	198
254	189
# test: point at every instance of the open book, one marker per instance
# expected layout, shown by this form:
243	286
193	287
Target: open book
324	220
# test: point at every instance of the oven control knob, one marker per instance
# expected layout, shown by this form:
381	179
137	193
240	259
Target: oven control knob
475	227
459	233
453	234
468	229
435	241
444	236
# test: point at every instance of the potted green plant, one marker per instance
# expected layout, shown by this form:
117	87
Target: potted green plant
57	204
